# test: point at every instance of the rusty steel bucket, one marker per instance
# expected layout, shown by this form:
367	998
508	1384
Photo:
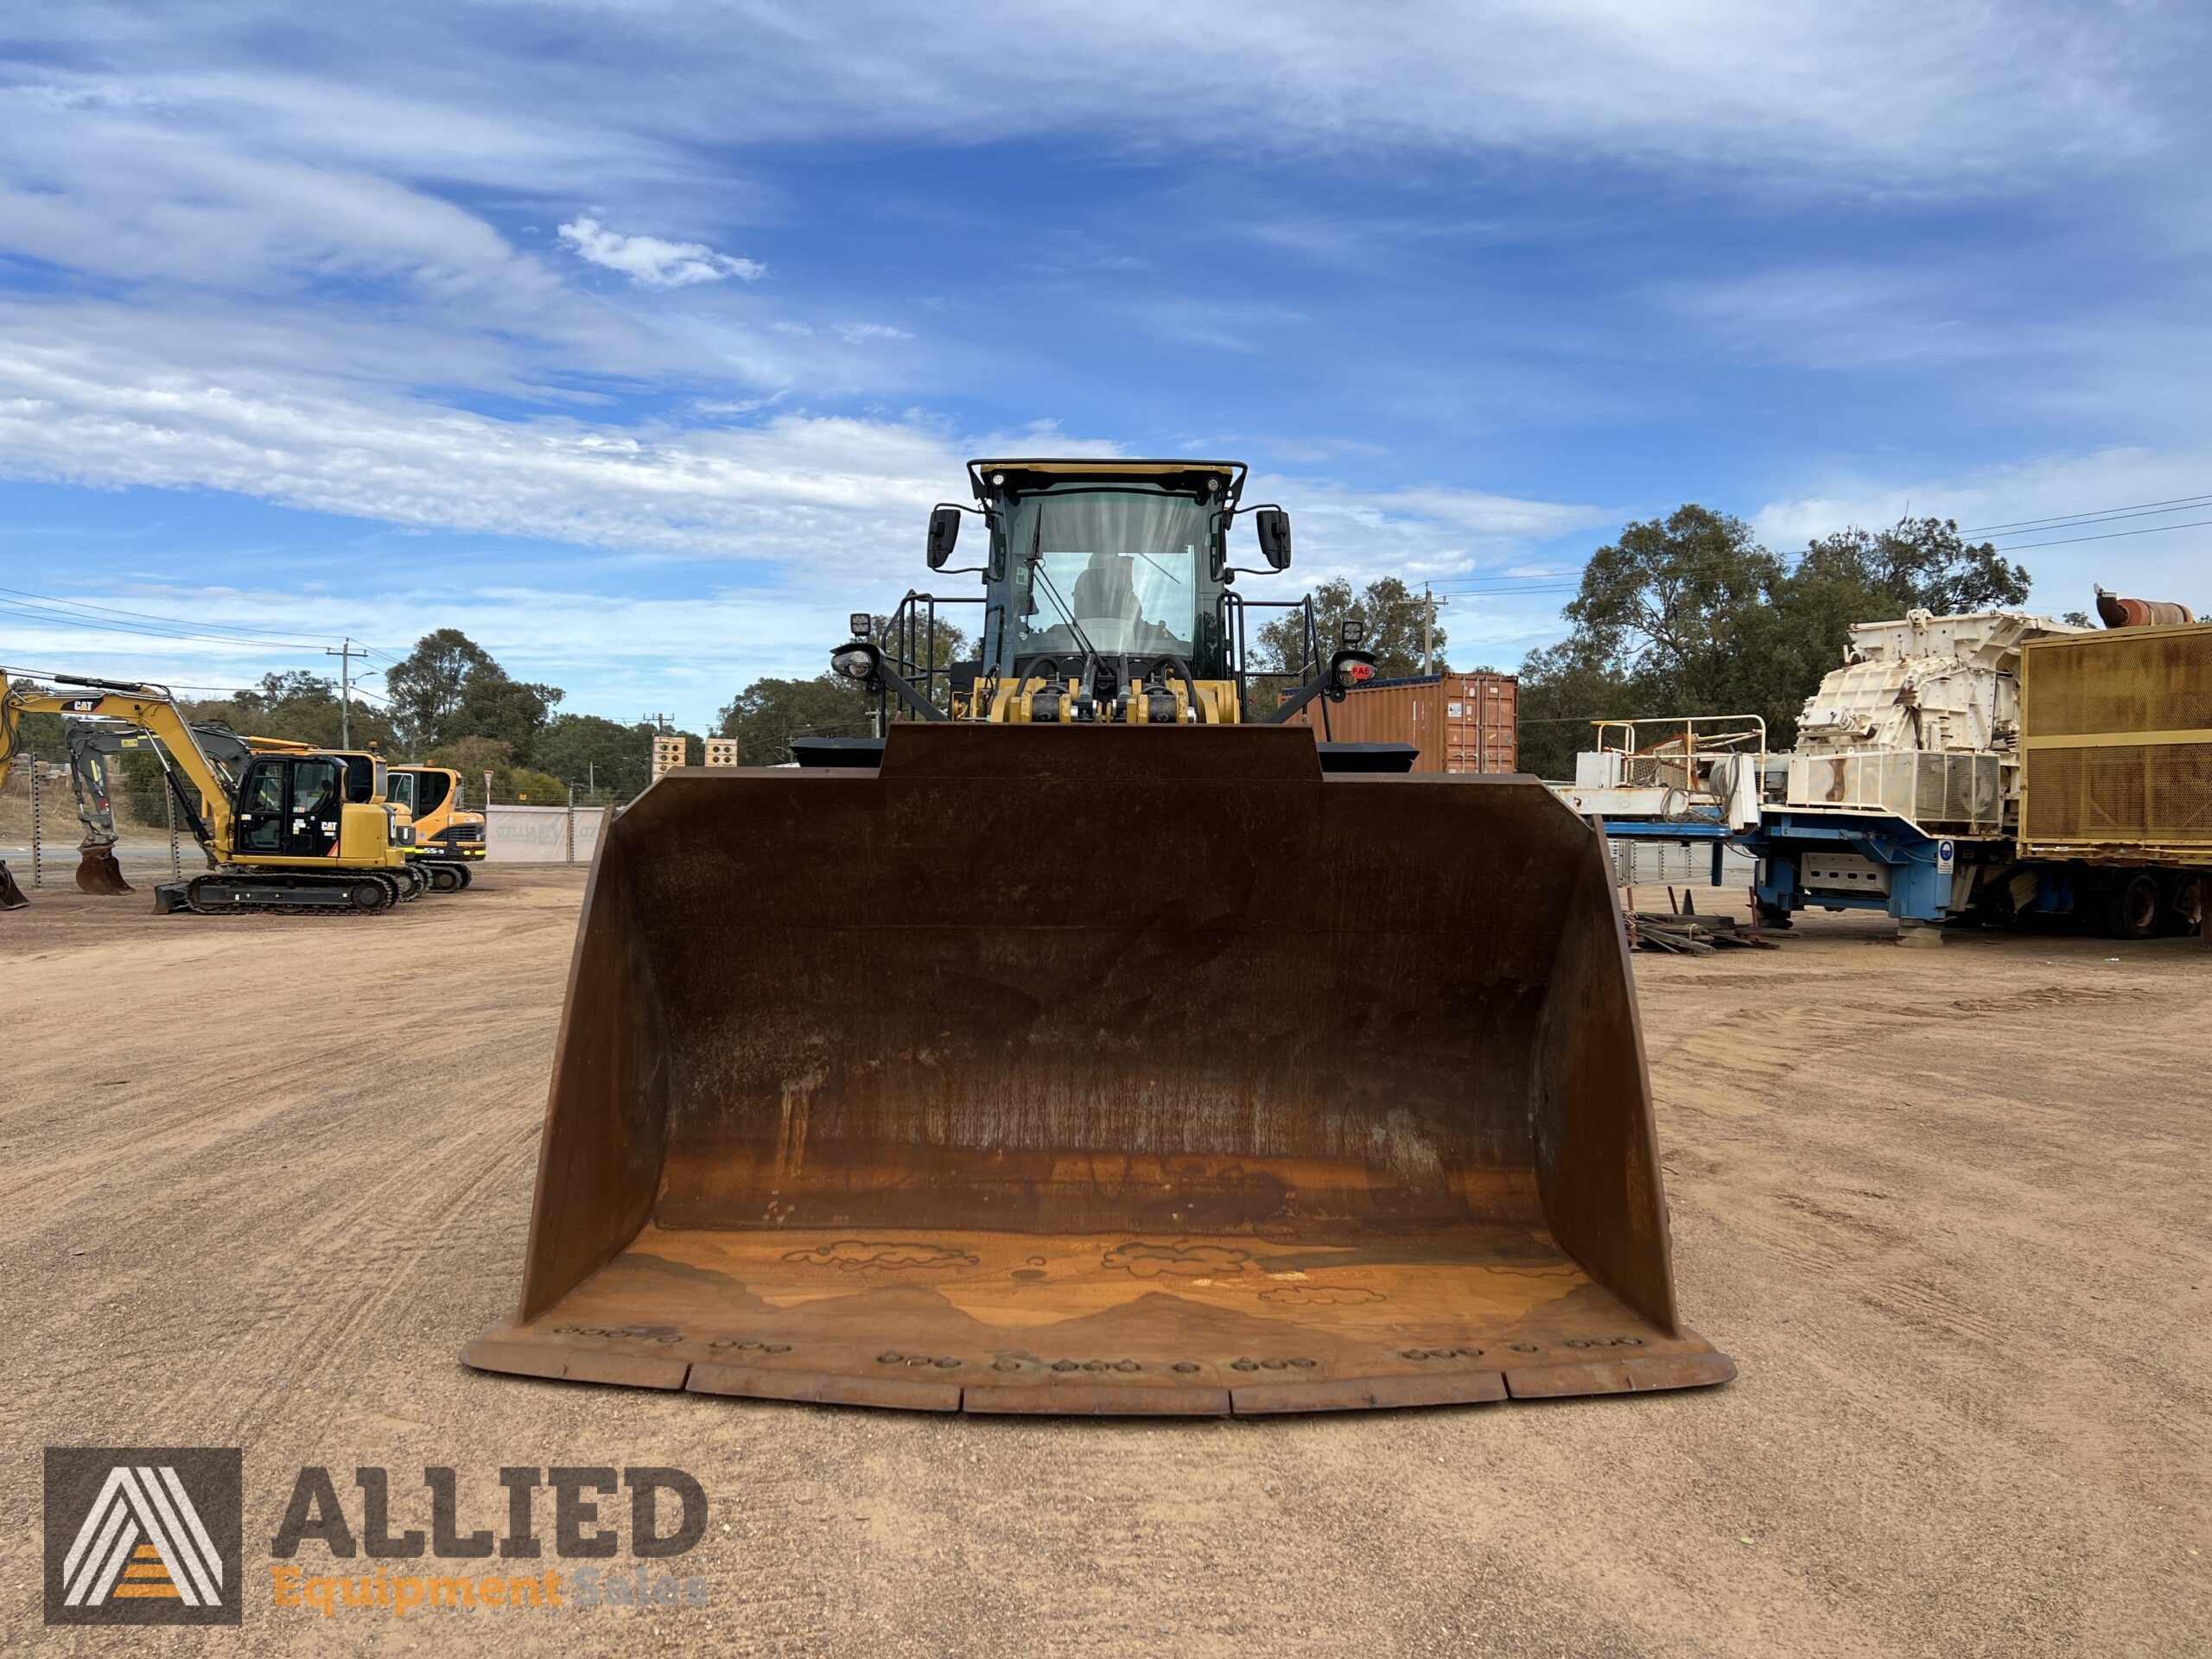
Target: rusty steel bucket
1117	1070
98	872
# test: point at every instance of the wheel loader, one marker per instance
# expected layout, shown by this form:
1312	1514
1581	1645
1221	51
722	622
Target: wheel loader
281	831
1084	1042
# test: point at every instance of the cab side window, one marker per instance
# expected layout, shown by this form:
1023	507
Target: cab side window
261	809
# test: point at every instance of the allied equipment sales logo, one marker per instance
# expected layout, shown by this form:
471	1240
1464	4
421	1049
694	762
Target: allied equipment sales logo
144	1535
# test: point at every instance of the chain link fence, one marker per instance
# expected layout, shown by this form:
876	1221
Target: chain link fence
39	830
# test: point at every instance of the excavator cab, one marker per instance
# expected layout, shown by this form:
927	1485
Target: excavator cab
448	842
1100	1062
291	805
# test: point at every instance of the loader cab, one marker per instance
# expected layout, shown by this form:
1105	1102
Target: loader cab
1124	563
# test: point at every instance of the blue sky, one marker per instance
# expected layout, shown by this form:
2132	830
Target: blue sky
638	339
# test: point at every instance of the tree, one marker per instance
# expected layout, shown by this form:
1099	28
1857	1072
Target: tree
595	753
1390	615
512	711
1690	615
1563	689
472	757
450	687
428	684
1921	563
769	713
303	708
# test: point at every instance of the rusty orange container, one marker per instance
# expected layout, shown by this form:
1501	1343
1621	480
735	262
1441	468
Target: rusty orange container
1459	722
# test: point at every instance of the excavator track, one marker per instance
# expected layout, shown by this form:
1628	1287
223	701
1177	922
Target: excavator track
288	893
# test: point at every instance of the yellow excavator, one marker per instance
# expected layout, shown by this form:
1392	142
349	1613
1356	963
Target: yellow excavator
1080	1043
448	840
281	831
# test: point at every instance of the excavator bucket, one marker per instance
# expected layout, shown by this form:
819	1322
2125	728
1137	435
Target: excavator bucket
1105	1070
98	871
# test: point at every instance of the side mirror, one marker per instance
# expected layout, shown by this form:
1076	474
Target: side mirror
1273	525
857	662
944	531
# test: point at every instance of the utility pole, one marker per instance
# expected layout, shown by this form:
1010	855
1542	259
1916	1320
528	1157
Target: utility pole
1431	603
344	654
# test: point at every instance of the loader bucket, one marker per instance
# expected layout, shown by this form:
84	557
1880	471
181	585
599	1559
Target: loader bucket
98	872
11	896
1116	1070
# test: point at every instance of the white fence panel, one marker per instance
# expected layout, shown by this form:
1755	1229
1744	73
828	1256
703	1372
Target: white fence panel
539	834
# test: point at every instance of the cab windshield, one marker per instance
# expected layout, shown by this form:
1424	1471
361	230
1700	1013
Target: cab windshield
1109	572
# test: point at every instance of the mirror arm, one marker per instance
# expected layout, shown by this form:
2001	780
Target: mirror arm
1328	683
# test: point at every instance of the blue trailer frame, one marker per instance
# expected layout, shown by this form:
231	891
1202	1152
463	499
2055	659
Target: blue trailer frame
1923	868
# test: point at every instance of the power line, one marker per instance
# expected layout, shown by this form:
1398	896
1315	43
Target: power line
2109	535
2137	509
237	630
69	619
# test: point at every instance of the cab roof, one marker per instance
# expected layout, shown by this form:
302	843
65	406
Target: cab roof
1038	471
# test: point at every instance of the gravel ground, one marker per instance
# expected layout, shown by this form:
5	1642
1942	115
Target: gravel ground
1948	1208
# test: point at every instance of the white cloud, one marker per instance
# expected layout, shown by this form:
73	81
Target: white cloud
833	496
2151	559
859	334
650	262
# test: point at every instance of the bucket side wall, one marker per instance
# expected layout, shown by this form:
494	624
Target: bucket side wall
1597	1146
600	1159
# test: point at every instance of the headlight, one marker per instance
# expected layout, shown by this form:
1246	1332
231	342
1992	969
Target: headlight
853	662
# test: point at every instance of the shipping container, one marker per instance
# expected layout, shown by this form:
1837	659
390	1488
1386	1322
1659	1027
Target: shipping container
1459	722
2116	747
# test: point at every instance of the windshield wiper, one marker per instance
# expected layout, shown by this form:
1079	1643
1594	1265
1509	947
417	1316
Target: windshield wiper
1037	573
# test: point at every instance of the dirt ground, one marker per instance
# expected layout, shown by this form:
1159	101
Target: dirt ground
1948	1208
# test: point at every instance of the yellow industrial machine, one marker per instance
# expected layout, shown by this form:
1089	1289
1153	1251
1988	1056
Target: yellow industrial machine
1077	1044
448	840
280	831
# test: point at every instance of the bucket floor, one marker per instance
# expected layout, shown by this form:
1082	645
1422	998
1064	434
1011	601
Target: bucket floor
1100	1323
